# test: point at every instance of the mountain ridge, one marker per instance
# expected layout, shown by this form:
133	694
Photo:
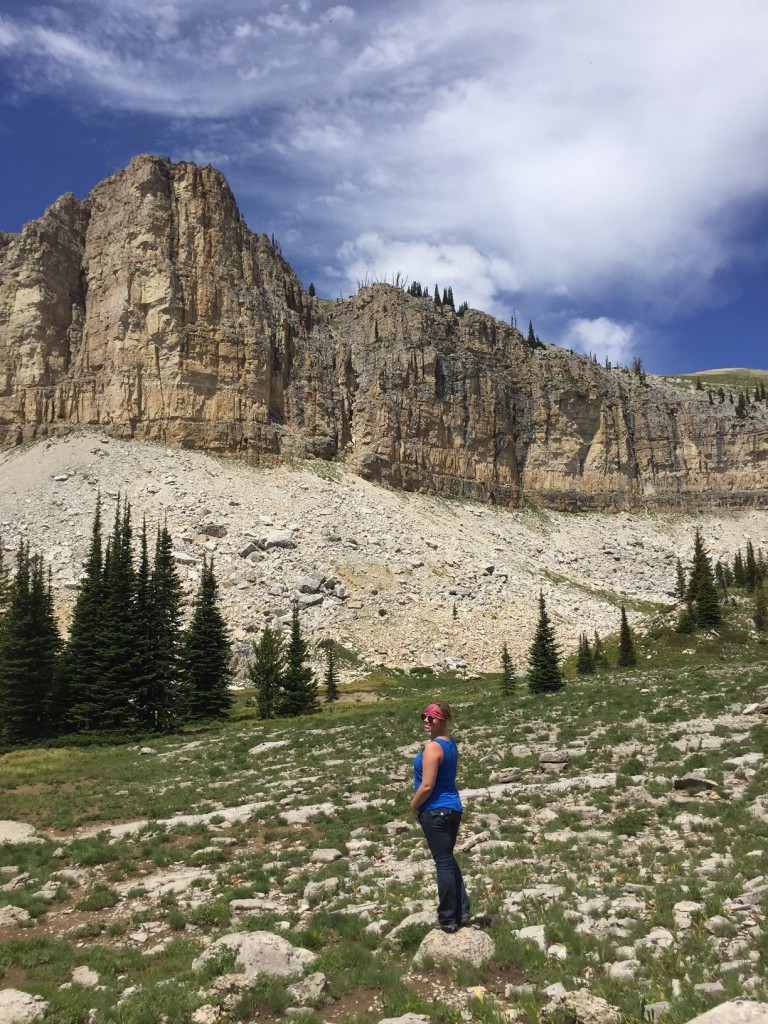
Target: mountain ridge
150	310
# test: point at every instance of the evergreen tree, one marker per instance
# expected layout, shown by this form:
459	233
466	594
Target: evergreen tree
437	296
760	616
750	568
680	582
119	628
298	692
702	592
4	582
585	662
206	654
265	672
83	656
627	656
739	575
598	652
544	675
686	622
157	662
507	672
29	645
531	339
312	291
331	676
711	398
741	406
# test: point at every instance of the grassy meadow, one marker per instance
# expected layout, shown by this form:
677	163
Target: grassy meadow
602	856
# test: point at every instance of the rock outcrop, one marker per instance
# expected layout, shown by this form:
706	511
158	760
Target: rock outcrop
151	310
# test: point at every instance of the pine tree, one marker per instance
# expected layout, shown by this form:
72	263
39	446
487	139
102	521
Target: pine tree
686	623
29	645
760	616
4	582
544	675
702	592
437	296
312	291
83	656
627	656
158	607
265	671
585	662
331	676
206	654
507	672
119	628
750	569
298	692
680	582
598	652
531	339
739	575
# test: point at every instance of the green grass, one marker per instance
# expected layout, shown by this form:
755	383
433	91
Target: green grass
620	725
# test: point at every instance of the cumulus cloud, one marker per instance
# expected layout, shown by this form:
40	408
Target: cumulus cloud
594	153
602	338
473	276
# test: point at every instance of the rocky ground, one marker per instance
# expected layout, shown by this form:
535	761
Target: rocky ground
402	579
618	838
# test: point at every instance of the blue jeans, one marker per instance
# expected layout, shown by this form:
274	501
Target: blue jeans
441	826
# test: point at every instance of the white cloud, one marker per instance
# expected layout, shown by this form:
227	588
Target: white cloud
572	151
474	277
603	338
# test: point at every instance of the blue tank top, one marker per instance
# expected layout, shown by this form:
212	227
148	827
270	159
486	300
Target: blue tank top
444	792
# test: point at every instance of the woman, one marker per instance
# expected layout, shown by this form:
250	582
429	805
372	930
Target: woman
437	805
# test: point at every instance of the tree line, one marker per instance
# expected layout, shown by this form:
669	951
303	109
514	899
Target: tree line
127	665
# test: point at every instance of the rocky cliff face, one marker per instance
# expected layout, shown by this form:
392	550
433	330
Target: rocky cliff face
150	309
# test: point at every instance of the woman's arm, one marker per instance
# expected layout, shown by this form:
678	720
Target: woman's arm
430	762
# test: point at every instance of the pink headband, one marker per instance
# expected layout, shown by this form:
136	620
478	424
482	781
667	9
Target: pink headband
435	712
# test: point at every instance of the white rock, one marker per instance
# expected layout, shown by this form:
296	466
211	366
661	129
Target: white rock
85	977
10	916
533	933
467	944
15	832
260	953
325	856
18	1007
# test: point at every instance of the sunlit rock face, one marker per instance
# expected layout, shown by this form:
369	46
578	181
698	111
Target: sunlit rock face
151	310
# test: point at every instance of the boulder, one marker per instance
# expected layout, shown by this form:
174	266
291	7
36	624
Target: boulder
18	1007
735	1011
580	1007
467	945
10	916
260	953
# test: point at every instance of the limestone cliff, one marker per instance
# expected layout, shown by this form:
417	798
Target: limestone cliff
150	309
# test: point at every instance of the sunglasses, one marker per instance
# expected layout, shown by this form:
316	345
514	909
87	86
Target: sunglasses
429	718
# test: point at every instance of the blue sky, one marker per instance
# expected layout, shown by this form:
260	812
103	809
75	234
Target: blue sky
600	168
